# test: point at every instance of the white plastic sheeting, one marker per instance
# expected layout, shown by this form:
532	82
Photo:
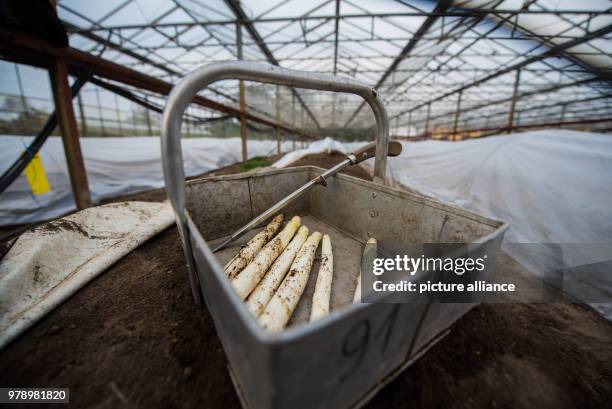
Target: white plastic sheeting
554	187
115	166
322	145
50	262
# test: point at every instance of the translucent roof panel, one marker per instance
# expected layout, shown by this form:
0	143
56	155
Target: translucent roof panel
439	66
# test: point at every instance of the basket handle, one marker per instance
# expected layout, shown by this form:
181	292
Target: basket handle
200	78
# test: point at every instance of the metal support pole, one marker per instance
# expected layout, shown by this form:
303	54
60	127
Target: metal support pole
454	135
243	124
293	129
136	125
517	80
408	132
303	127
118	114
427	119
278	132
24	103
62	96
188	123
562	118
100	113
149	127
333	113
82	114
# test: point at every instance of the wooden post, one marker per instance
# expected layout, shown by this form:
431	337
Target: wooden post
62	96
517	79
243	125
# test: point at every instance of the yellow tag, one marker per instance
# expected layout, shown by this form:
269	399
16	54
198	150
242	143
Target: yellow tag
37	178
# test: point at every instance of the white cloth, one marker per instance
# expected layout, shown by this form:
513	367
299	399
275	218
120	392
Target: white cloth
50	262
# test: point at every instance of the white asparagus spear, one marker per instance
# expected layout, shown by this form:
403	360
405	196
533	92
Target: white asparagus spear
248	278
322	292
264	291
277	313
247	252
371	255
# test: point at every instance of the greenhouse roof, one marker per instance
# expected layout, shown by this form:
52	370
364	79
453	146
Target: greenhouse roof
429	60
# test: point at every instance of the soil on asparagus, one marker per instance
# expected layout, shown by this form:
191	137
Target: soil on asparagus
133	338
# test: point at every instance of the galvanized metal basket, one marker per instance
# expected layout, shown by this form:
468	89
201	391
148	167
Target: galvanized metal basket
341	360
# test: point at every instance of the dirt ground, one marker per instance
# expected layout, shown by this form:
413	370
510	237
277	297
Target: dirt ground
133	338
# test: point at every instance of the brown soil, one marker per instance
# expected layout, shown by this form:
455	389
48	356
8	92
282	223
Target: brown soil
133	338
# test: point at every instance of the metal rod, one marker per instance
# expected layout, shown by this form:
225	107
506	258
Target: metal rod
148	118
285	201
100	114
562	118
278	133
24	104
118	113
293	129
336	29
427	118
